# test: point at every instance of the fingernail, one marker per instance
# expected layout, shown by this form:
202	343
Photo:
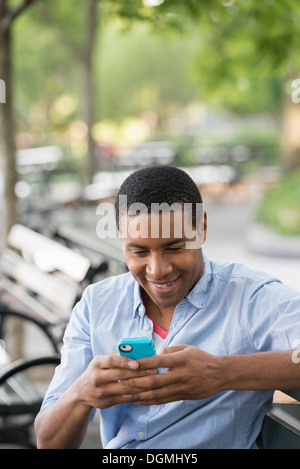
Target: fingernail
152	372
133	364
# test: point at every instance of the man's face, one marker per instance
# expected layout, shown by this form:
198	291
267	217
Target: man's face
161	263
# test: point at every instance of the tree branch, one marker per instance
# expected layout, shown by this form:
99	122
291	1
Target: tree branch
13	13
47	16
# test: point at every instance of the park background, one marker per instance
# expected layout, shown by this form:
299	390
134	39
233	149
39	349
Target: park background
96	89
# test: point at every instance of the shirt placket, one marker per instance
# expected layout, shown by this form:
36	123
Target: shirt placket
146	422
146	328
183	312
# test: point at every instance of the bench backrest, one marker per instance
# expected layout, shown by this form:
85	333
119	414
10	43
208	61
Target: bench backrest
281	427
111	251
45	269
51	254
295	394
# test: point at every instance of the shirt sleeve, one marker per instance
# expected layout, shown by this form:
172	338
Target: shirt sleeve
76	352
273	317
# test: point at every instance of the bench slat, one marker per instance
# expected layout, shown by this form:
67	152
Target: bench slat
107	249
30	302
56	255
58	294
23	389
287	415
281	427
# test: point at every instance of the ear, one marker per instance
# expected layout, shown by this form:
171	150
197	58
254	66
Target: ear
204	228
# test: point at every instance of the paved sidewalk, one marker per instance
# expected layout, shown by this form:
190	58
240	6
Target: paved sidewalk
233	235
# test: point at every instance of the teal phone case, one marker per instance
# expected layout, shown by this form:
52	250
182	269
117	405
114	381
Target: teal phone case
140	348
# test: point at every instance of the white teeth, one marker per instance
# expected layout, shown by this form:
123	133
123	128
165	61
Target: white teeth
163	286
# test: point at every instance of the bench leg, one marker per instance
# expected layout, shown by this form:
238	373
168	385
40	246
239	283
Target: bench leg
19	435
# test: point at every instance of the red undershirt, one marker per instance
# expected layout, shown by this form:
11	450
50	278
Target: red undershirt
158	330
159	335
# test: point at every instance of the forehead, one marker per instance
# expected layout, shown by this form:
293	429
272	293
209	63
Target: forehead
166	226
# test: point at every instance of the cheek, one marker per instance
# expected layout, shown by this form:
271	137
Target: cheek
135	266
188	262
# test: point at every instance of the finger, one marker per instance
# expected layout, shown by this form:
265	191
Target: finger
173	349
110	384
111	394
155	396
168	359
148	381
124	375
114	360
115	375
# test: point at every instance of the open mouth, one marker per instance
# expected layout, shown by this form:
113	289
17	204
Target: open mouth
164	285
164	288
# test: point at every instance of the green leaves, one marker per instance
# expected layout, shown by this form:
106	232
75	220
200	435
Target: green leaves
280	205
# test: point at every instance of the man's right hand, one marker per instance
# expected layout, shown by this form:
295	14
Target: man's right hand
102	384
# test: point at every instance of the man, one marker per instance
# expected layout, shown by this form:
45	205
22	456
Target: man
226	333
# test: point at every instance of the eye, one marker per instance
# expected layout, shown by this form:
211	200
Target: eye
177	248
139	253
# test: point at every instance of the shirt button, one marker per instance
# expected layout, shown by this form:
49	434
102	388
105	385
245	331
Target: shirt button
146	328
141	308
141	435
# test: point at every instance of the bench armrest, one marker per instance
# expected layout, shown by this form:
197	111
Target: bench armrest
23	364
44	327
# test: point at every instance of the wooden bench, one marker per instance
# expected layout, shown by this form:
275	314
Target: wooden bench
46	277
40	282
108	250
281	427
21	394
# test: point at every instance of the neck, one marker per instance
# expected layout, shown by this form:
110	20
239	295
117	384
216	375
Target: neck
162	316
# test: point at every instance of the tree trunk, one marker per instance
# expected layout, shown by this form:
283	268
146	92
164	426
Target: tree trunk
88	95
14	332
7	135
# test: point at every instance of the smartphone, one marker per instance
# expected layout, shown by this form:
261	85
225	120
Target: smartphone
136	348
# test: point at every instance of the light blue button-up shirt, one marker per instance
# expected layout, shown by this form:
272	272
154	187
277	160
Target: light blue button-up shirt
231	310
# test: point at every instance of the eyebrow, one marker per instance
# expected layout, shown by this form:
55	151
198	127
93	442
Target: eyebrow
168	243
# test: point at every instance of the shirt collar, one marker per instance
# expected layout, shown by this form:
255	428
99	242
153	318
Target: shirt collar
138	306
197	296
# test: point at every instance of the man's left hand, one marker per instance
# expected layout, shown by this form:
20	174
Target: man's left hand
191	374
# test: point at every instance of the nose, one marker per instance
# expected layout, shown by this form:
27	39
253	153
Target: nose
158	267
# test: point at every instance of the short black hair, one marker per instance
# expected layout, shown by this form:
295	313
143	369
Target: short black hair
159	184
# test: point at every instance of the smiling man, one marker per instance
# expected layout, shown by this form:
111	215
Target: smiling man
223	334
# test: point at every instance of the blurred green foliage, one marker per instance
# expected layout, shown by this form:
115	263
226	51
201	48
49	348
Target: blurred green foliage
138	71
280	205
134	71
231	54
